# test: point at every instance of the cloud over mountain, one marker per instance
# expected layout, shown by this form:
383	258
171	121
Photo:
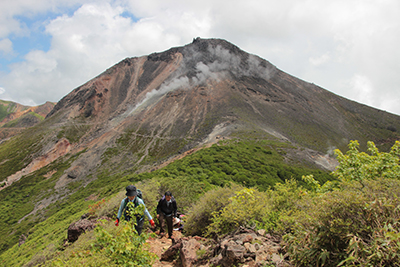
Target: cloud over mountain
329	43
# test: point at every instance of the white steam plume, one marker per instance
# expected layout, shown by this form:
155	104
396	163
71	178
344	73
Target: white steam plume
225	62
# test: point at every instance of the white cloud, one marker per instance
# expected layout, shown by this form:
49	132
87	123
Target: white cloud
2	90
9	10
84	44
362	89
6	46
317	61
342	45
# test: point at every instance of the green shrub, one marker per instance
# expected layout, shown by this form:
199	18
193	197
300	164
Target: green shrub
84	258
246	207
127	247
348	225
121	247
382	250
358	166
201	214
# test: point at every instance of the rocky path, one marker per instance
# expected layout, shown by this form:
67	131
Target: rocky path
245	248
159	245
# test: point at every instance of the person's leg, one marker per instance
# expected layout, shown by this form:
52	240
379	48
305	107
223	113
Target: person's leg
169	225
161	220
139	225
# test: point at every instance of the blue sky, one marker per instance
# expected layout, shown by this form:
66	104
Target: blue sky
349	47
34	36
22	45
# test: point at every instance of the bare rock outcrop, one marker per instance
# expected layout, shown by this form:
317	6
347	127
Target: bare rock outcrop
188	252
244	247
249	248
78	228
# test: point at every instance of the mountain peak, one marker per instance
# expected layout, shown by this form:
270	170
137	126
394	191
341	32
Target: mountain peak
215	60
188	92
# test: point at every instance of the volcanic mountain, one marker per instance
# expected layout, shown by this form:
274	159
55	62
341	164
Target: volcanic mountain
146	111
152	107
172	101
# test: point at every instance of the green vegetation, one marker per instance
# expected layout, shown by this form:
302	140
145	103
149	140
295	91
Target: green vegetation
19	200
113	247
6	107
249	163
350	226
14	123
15	154
73	133
361	166
350	222
349	219
189	178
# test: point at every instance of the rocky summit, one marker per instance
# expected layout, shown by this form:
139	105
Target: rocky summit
167	103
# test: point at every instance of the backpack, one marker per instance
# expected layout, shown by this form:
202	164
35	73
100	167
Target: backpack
139	193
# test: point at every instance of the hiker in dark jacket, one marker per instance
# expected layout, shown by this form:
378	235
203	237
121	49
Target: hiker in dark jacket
166	211
131	196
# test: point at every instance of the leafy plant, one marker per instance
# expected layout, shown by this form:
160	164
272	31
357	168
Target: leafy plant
127	248
323	231
358	166
354	223
245	208
97	206
201	214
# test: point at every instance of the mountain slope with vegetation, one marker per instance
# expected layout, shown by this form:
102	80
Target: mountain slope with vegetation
193	119
15	117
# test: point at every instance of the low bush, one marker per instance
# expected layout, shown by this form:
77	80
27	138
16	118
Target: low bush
357	225
247	208
201	214
112	246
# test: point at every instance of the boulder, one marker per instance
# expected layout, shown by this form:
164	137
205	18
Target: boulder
245	248
170	253
21	240
78	228
233	253
249	248
261	232
189	252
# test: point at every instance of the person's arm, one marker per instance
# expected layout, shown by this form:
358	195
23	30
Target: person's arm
121	208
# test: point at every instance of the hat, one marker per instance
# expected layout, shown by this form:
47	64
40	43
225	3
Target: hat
131	191
176	221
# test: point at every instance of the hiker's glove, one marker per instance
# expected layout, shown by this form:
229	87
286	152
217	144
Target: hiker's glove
152	223
117	222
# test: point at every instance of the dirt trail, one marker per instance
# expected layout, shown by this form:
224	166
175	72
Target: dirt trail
159	245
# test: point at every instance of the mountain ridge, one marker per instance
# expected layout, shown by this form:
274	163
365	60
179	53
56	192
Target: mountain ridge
15	117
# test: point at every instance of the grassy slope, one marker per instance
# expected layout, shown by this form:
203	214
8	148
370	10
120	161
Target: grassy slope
6	107
15	122
252	163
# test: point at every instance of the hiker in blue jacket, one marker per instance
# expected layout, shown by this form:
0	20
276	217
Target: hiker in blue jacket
131	196
166	210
